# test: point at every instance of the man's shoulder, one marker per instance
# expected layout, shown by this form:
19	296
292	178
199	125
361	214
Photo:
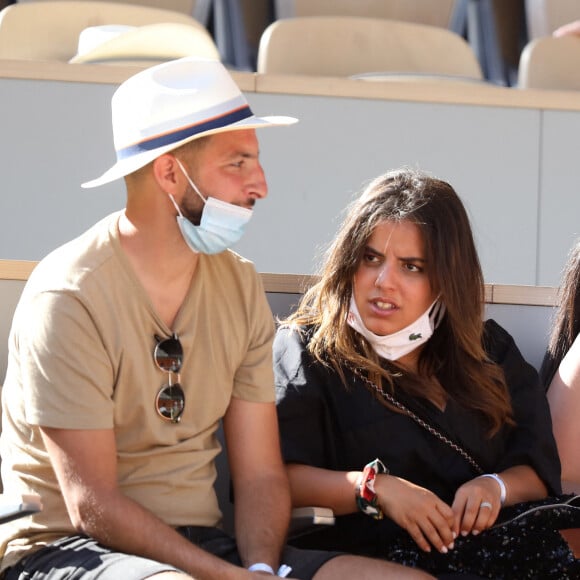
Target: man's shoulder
233	265
69	265
237	259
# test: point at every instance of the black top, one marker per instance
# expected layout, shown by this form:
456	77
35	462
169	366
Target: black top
323	424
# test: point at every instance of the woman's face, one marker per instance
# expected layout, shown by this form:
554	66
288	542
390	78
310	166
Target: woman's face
391	285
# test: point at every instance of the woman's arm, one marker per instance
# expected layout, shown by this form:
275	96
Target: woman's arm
531	441
477	502
564	399
428	519
522	483
314	486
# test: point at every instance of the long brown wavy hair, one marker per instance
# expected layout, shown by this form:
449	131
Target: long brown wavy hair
566	322
455	353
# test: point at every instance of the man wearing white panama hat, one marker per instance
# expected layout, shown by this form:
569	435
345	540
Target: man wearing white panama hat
131	343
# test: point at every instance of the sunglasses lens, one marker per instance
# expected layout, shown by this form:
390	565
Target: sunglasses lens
170	402
169	355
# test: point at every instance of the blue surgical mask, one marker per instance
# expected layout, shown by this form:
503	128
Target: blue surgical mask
222	224
398	344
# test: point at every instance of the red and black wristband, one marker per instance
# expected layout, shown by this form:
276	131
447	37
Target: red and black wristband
366	496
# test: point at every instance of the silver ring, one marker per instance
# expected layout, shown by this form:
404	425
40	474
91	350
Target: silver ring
485	504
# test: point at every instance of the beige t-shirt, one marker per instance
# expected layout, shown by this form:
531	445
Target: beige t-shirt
81	357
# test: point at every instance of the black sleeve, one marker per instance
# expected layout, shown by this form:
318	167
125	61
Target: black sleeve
548	369
303	415
531	442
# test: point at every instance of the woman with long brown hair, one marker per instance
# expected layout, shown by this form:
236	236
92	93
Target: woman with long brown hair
399	408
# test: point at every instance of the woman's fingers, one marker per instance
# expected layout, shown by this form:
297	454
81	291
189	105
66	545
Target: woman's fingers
475	508
426	518
432	530
486	515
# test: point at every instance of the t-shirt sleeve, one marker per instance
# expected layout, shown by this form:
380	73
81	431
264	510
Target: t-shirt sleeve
531	442
254	379
65	371
303	414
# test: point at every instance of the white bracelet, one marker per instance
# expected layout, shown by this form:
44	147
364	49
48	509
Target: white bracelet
500	482
283	571
261	567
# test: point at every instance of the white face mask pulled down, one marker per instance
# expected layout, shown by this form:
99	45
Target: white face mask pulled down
222	224
398	344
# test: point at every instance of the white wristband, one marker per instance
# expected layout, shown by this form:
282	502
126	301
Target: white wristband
500	482
283	571
261	567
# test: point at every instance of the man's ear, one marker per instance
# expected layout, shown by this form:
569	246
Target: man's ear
168	175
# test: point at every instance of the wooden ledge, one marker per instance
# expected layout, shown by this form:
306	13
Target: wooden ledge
109	74
392	88
298	283
494	293
520	294
16	269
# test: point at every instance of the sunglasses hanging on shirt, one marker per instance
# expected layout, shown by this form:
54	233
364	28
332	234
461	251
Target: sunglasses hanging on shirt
168	357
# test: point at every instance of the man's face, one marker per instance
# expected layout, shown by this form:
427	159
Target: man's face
227	167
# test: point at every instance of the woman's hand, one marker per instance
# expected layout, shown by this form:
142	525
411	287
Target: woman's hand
477	502
476	506
428	520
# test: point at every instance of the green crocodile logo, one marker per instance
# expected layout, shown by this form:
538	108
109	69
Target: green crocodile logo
415	336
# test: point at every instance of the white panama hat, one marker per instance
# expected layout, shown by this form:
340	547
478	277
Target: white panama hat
170	104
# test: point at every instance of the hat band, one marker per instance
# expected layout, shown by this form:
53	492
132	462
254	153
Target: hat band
168	138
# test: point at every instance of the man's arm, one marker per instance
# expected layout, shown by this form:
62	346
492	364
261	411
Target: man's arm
261	490
86	467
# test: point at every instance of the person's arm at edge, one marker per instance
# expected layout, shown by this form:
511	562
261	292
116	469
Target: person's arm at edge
564	399
261	491
85	465
569	29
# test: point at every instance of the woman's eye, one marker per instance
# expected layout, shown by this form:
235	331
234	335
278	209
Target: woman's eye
413	268
371	258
